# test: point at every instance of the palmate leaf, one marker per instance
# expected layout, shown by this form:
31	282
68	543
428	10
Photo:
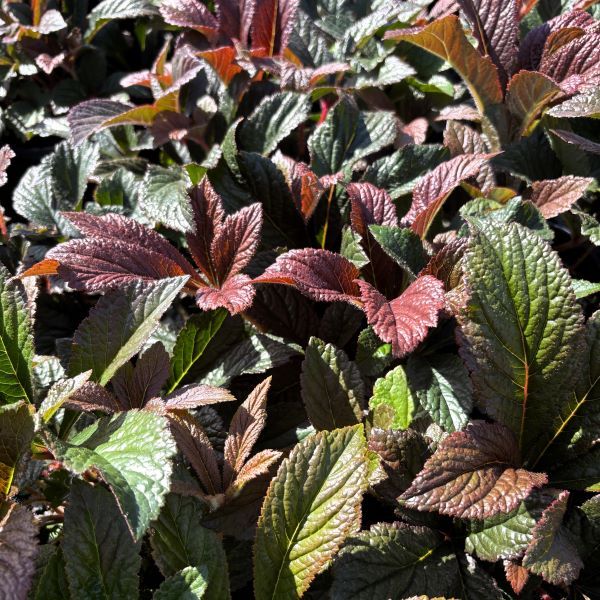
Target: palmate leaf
132	451
394	561
312	505
101	558
18	548
473	474
180	541
333	391
16	342
521	331
445	38
16	432
119	325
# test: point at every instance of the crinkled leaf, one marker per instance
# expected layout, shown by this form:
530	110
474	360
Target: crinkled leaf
555	196
180	541
101	558
403	245
394	561
188	584
521	331
16	342
132	451
473	474
60	393
392	403
351	247
119	325
312	505
189	13
404	322
16	432
442	386
119	9
581	105
332	388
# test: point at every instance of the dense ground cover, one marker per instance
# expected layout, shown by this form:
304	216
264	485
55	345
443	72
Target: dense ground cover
299	299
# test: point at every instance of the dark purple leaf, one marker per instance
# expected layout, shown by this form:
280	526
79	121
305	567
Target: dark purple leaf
272	25
91	397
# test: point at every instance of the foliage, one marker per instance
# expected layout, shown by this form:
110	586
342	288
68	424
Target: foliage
299	299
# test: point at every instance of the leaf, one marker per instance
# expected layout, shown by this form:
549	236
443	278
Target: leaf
403	245
164	198
445	38
404	322
581	105
312	505
273	119
393	560
132	451
18	548
61	392
101	558
507	535
370	206
351	247
583	288
473	474
516	575
92	116
272	24
191	342
442	386
6	154
522	357
577	140
33	198
119	325
50	581
118	9
180	541
189	583
16	342
192	396
189	13
528	94
555	196
332	388
319	274
496	27
580	473
552	552
431	192
16	432
392	402
244	430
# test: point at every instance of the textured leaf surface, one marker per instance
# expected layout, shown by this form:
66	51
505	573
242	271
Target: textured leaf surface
272	24
101	558
311	506
555	196
332	388
119	325
393	561
16	342
133	452
190	583
179	541
405	321
473	474
392	402
18	548
552	552
16	431
442	386
582	105
522	328
403	245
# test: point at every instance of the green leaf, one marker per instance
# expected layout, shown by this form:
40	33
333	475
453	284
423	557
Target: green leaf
373	355
521	331
59	393
583	288
101	559
51	579
180	541
332	388
119	325
394	561
273	120
392	402
189	584
70	170
442	386
164	197
132	451
16	342
16	432
581	473
348	135
191	342
351	247
312	505
403	245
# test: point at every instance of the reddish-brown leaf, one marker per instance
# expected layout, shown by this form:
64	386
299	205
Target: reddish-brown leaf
370	206
272	25
195	395
474	474
319	274
577	140
222	60
405	321
431	192
91	397
236	295
246	425
189	13
516	575
555	196
235	18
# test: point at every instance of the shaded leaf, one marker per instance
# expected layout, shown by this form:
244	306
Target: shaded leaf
403	245
16	432
272	24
